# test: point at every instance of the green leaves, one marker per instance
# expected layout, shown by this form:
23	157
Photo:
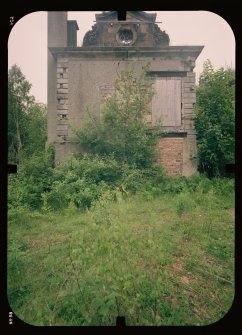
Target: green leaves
215	119
121	131
25	116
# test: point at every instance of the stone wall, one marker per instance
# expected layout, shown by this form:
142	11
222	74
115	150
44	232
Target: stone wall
83	82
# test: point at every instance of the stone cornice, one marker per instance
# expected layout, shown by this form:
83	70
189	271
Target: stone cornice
127	52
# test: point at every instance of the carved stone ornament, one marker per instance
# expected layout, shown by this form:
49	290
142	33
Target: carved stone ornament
160	37
90	37
126	36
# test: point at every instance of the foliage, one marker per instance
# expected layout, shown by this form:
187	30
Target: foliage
36	128
167	261
215	119
27	121
83	180
34	177
121	130
27	135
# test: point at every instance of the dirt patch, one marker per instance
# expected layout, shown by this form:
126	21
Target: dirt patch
172	300
184	280
185	216
178	267
41	243
231	211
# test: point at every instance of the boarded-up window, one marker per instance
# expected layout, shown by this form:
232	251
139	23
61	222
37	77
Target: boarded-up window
166	103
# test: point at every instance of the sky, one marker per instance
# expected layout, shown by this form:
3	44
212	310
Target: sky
27	44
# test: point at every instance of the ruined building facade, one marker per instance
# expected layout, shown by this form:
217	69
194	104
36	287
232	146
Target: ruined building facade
84	76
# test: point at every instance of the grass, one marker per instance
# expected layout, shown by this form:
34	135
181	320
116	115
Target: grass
157	260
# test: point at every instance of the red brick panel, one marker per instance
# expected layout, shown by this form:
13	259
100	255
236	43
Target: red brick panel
170	155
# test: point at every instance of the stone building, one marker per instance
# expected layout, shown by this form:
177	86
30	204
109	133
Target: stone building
84	76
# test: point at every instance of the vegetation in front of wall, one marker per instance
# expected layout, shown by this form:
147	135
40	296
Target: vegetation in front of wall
215	120
122	131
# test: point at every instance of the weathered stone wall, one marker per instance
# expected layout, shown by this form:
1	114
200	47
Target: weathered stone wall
84	82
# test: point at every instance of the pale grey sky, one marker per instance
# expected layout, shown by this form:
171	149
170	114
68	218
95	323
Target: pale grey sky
27	46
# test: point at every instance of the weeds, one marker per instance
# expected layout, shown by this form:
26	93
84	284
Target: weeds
163	261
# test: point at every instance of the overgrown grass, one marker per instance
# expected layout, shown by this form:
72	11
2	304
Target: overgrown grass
162	256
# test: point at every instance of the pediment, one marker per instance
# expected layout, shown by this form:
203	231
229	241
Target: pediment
138	29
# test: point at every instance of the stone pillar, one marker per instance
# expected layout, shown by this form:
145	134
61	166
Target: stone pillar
188	118
57	37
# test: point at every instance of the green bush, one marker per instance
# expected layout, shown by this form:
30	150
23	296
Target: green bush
82	180
34	177
92	168
215	119
121	130
79	192
224	186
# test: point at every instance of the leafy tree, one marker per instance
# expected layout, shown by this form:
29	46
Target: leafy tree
27	135
215	119
121	130
36	136
27	122
18	103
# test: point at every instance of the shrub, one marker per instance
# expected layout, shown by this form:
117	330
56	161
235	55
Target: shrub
82	181
215	119
121	130
34	177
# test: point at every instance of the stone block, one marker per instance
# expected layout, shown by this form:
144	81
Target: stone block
62	64
62	74
189	100
189	89
62	90
61	107
188	106
62	96
189	115
62	81
62	59
62	111
62	101
191	132
189	80
62	121
189	94
191	74
61	132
